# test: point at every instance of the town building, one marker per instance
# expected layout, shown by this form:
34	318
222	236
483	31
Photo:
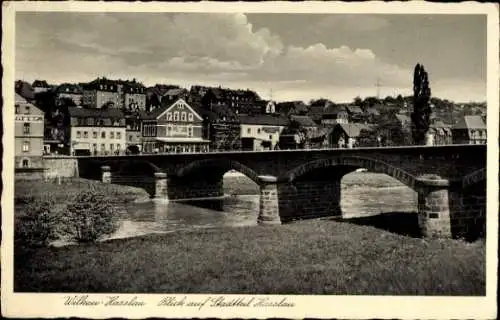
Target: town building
133	132
68	91
325	112
355	113
346	135
176	128
470	130
240	101
40	86
129	95
174	94
306	123
261	132
441	133
29	129
292	107
96	131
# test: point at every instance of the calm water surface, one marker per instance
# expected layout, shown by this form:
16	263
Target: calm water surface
362	194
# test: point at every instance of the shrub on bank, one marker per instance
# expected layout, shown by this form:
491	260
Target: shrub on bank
39	224
90	217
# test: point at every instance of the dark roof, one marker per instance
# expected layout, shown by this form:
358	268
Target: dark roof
471	122
305	121
354	129
264	119
403	118
291	106
102	113
69	88
40	84
372	111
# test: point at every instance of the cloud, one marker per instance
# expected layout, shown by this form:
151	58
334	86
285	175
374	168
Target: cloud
195	49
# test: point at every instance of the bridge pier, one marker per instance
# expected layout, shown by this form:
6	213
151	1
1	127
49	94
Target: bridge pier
161	186
106	174
269	211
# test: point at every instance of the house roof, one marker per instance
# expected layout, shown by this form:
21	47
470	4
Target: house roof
69	88
373	111
471	122
354	109
40	84
288	106
103	113
20	99
305	121
264	119
175	92
354	129
403	118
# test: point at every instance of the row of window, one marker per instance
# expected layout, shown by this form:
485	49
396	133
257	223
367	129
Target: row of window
103	134
99	122
112	147
174	116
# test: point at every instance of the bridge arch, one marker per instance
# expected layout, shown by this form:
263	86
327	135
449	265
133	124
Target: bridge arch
136	168
370	164
221	165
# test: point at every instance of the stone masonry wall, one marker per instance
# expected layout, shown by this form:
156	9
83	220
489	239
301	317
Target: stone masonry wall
309	199
65	167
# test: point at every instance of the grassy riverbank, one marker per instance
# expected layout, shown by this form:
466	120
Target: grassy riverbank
309	257
25	190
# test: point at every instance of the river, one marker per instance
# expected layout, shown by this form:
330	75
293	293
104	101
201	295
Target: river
363	194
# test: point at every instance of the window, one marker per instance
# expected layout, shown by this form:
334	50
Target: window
26	128
190	131
258	131
111	146
26	163
90	121
111	135
27	109
130	137
118	135
85	134
103	135
190	117
270	137
176	116
26	146
169	116
94	146
78	134
183	116
118	146
94	134
103	147
249	130
17	108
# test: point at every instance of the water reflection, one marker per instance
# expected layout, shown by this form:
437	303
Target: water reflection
362	195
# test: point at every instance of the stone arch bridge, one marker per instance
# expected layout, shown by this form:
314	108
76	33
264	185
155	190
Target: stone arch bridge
297	184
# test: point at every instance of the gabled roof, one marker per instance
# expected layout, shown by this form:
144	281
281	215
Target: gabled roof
354	129
471	122
40	84
69	88
175	92
19	99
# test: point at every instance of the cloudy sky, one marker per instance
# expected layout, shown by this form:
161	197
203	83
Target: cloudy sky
291	56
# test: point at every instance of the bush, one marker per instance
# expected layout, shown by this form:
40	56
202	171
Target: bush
39	224
90	217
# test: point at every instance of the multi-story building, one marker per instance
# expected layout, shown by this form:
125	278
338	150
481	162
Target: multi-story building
441	133
69	91
130	95
174	129
261	132
240	101
346	135
133	132
29	129
96	131
470	130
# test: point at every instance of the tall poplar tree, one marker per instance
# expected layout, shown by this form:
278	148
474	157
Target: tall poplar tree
421	114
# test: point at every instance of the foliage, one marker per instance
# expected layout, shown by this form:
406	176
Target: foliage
421	108
39	224
90	217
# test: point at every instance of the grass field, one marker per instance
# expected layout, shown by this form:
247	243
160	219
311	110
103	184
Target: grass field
309	257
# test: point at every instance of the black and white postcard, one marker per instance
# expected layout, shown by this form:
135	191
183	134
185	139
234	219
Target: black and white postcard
250	160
